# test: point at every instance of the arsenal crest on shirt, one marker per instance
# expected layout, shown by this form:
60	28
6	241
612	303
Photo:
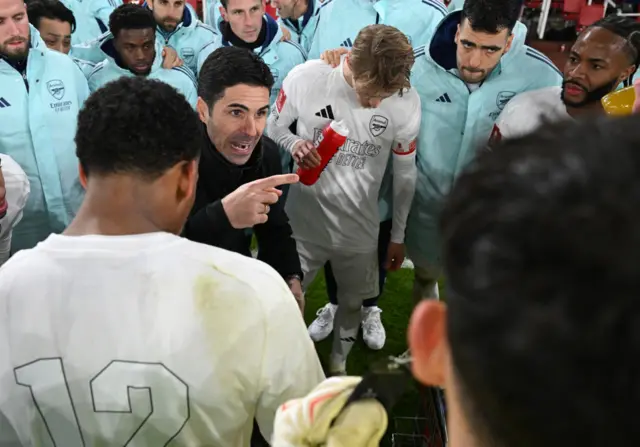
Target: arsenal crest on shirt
377	125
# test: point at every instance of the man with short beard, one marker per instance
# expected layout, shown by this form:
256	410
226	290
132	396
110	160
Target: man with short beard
41	92
604	56
179	28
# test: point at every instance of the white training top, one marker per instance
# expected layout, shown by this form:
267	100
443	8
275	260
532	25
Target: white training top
146	340
528	111
341	209
17	190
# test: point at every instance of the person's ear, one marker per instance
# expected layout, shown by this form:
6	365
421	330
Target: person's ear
223	13
203	110
82	176
187	180
507	47
626	74
428	343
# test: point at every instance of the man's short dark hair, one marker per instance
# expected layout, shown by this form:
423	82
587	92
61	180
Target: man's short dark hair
230	66
136	125
130	16
49	9
492	16
541	244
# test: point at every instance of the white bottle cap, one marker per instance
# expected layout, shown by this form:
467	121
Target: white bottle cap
340	128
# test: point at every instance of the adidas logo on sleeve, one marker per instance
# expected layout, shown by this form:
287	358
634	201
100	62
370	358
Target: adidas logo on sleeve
326	112
444	98
347	43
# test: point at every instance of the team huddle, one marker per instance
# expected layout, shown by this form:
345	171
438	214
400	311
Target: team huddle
147	159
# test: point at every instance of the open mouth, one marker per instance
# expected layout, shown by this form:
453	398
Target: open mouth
241	148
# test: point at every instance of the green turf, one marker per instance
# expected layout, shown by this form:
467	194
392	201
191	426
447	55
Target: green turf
397	304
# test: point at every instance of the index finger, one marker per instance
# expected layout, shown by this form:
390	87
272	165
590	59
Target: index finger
275	180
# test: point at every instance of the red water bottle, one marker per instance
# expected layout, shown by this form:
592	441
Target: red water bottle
333	136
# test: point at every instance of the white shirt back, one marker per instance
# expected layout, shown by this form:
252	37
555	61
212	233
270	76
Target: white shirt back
341	209
17	190
528	111
146	340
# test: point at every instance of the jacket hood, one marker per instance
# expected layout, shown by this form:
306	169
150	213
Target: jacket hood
109	49
442	47
35	39
517	44
273	36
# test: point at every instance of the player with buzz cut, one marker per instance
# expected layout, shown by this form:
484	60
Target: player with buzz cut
119	331
337	218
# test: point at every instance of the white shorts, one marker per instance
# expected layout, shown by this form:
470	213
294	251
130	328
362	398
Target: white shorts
356	274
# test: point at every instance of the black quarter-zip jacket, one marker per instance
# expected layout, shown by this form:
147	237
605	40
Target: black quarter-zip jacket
209	224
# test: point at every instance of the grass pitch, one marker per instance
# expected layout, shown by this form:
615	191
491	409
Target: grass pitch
396	304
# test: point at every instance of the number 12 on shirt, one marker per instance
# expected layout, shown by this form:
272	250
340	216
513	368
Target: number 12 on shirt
120	388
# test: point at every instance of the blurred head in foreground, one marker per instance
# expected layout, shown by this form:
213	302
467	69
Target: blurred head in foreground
139	168
539	342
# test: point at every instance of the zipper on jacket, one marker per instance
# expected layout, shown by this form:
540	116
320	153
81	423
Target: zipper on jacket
26	81
377	18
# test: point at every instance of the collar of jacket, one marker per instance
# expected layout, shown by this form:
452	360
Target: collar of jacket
272	36
109	49
254	162
442	48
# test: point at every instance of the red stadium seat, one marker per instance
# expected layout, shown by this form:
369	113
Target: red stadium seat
589	14
271	10
573	6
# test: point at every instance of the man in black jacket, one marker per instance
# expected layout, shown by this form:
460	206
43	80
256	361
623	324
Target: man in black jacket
240	168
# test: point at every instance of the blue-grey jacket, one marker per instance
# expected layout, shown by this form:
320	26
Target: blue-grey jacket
281	56
38	115
339	21
302	29
180	78
456	121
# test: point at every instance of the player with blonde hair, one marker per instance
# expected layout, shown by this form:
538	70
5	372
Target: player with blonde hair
337	218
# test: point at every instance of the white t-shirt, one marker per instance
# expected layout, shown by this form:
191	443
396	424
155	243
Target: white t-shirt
145	340
17	190
528	111
341	209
